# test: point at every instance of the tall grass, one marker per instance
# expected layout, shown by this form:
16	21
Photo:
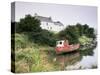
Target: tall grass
31	57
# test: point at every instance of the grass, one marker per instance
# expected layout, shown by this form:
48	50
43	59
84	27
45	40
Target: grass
32	57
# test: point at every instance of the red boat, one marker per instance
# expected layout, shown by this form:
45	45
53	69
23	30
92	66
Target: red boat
63	46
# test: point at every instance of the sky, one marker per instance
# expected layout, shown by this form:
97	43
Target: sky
66	14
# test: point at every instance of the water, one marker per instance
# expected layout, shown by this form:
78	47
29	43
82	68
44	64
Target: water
87	62
77	60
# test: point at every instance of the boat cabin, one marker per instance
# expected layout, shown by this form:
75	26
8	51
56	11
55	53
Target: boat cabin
60	43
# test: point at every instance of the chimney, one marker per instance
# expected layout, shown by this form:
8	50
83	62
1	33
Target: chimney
50	17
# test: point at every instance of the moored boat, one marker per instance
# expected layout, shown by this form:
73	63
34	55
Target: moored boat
63	46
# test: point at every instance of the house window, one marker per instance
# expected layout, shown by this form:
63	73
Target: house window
47	24
50	28
60	42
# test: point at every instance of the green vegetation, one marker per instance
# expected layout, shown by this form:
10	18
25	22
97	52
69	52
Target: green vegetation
31	57
78	34
34	47
28	24
85	40
74	33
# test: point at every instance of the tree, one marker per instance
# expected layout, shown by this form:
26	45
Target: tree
28	24
44	37
80	28
71	33
85	29
91	33
74	32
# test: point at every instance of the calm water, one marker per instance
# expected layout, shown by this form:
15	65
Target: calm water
85	62
77	60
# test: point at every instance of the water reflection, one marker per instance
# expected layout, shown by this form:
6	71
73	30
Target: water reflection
81	59
68	59
87	62
75	60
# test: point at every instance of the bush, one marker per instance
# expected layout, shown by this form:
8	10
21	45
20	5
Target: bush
74	32
44	38
85	40
28	24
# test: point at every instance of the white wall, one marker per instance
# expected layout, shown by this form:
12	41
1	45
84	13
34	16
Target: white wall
51	26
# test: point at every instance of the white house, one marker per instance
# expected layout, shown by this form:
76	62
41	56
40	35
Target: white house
48	24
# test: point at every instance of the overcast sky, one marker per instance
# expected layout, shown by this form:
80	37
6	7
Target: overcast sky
67	14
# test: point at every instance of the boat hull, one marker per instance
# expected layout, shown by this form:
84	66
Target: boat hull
68	48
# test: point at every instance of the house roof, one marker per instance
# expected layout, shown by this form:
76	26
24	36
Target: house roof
58	23
45	19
